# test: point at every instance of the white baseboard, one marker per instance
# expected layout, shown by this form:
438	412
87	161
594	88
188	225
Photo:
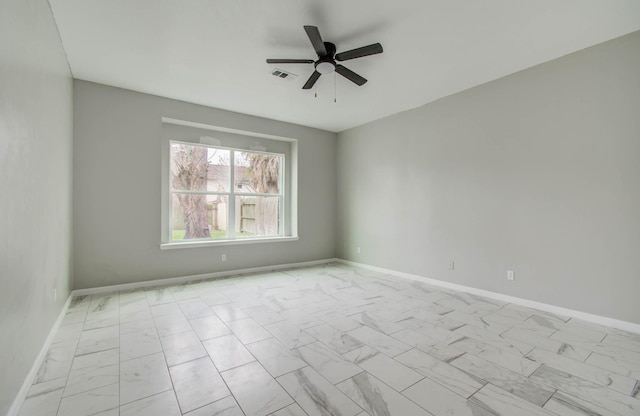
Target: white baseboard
597	319
183	279
28	381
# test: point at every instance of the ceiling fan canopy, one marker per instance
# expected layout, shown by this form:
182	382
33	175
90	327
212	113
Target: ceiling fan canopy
327	57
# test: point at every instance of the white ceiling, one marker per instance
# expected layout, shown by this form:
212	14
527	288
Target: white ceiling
213	52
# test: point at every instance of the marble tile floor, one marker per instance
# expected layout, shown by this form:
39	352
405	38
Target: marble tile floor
328	340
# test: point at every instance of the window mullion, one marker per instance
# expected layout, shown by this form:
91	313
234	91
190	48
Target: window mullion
231	215
186	191
280	215
255	194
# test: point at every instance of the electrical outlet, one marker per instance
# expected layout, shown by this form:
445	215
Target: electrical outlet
358	250
511	275
452	265
224	257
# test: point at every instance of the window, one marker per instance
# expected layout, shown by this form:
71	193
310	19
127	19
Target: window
224	186
221	193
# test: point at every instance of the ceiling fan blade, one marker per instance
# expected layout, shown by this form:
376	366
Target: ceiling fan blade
350	75
311	81
290	61
316	40
359	52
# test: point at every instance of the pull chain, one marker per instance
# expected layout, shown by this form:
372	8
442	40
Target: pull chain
335	100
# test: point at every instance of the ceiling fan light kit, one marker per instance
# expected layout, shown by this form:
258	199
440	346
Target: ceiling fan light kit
327	57
325	68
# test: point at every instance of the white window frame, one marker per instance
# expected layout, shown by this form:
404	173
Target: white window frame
288	207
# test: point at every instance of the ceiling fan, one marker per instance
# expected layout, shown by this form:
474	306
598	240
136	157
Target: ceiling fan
327	58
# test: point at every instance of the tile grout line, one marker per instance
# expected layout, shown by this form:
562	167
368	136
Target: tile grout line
62	397
164	356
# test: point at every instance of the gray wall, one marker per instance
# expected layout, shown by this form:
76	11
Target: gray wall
35	186
117	186
538	172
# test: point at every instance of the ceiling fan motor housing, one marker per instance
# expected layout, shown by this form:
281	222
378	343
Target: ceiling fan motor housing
326	64
331	51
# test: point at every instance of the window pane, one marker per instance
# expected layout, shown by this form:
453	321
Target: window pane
197	216
257	173
199	168
257	216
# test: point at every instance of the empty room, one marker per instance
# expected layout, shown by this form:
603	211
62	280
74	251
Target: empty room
319	208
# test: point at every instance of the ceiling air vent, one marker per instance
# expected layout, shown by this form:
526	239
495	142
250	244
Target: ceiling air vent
277	72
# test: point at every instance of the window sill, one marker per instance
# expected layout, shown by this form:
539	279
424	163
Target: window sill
212	243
